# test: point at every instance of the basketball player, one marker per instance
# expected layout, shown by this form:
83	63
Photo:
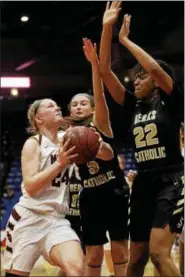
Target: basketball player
103	202
73	215
157	192
75	187
37	225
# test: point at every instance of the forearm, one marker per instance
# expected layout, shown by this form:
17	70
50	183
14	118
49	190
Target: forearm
39	180
114	86
105	152
105	49
147	62
102	112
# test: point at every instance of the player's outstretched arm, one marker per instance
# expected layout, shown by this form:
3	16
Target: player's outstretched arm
101	115
114	86
163	80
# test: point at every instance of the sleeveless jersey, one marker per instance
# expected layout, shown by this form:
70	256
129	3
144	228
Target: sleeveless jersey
98	173
155	129
75	186
54	197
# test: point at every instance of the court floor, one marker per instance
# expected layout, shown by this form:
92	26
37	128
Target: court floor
42	268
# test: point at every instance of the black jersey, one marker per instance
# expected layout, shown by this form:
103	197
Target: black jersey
99	173
155	129
74	190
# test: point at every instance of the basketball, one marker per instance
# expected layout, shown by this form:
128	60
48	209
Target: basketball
86	142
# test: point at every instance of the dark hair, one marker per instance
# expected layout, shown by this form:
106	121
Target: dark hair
90	97
69	121
166	67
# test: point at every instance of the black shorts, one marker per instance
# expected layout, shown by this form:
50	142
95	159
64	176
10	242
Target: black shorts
156	201
103	210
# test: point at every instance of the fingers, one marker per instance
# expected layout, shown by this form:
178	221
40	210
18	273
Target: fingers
68	152
127	19
92	128
88	43
95	47
99	137
116	5
84	48
66	144
89	48
107	6
73	156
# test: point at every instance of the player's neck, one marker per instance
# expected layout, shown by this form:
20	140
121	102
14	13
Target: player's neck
52	135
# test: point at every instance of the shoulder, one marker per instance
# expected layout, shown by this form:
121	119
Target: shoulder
31	145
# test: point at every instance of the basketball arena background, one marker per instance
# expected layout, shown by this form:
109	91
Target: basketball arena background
41	55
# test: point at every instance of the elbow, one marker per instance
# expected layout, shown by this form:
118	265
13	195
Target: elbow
28	191
28	188
154	68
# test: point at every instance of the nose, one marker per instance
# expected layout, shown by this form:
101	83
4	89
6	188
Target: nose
58	109
78	107
137	81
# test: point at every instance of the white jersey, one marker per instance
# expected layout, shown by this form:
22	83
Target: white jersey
54	197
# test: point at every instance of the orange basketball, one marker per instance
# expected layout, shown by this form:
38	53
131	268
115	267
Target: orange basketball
86	141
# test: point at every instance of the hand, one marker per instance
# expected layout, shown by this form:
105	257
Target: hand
111	12
90	50
125	28
131	175
66	155
97	134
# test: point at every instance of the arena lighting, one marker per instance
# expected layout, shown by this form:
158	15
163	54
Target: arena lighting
126	79
14	92
15	82
24	18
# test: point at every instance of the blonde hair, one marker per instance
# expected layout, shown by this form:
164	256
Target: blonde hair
33	108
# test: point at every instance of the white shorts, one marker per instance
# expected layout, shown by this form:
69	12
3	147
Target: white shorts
29	235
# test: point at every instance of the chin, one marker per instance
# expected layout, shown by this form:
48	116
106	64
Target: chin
60	120
138	95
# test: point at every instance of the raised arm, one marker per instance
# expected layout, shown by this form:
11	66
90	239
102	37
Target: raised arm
163	80
114	86
101	116
34	180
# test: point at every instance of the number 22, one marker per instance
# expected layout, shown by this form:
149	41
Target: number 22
145	136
